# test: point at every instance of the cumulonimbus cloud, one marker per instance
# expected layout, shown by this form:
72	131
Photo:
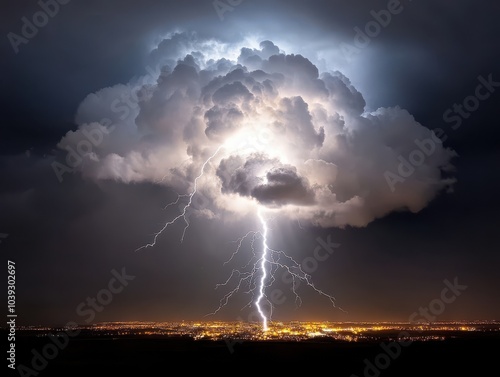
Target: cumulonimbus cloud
289	137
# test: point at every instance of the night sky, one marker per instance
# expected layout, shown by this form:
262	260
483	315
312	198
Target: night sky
341	106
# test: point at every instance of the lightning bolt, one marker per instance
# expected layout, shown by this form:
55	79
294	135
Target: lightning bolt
184	210
259	273
263	260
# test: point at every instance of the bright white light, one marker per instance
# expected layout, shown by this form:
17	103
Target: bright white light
263	267
258	273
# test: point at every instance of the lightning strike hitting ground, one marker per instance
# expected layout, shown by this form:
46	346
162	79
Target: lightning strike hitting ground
259	273
263	261
183	213
265	265
293	135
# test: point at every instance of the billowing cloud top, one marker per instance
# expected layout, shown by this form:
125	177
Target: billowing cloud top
275	132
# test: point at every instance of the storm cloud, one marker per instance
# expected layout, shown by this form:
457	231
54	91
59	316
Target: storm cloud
287	136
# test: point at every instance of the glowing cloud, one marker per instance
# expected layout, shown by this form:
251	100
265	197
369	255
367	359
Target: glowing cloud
292	138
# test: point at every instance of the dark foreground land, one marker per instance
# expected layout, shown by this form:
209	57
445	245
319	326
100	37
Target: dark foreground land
86	355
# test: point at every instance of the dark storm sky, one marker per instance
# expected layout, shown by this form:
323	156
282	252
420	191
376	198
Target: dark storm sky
66	237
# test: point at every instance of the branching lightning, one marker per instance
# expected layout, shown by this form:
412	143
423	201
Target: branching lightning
183	213
279	128
259	273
